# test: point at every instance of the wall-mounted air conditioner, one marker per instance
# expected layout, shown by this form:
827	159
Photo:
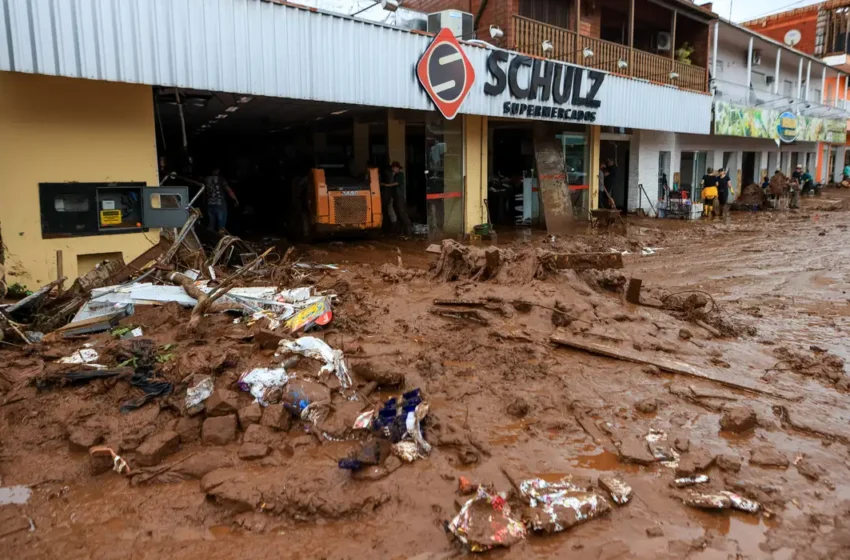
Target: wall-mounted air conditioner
459	22
665	41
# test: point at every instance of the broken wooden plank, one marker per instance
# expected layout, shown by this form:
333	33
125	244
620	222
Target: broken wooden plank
587	261
472	315
664	364
716	333
460	302
633	291
552	180
34	297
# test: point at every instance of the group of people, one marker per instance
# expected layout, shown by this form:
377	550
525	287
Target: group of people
716	187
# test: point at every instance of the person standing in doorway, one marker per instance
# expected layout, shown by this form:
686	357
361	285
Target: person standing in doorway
724	187
215	188
396	191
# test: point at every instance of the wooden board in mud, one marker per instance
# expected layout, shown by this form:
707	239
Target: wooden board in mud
552	179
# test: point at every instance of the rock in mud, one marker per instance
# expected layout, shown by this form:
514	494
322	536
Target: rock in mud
519	408
647	406
728	463
222	403
219	430
380	374
250	414
251	451
767	456
560	316
261	434
82	438
276	417
634	450
189	428
100	460
156	448
694	462
682	445
806	468
685	334
738	419
654	532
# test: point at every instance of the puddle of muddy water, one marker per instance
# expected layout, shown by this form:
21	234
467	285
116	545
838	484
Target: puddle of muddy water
14	495
749	531
605	461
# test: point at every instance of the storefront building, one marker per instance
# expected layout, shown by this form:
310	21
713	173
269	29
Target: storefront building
84	100
773	108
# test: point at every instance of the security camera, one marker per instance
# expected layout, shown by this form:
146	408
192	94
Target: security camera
587	53
622	64
389	5
547	46
496	32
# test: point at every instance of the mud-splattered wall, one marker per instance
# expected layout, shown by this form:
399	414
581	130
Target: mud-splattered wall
62	129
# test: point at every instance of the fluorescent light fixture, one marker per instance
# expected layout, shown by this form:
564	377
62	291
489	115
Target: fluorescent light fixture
339	112
587	53
496	32
222	116
547	46
244	99
622	64
232	109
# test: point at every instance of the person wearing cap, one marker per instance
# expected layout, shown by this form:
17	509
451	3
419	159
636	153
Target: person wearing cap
394	192
798	173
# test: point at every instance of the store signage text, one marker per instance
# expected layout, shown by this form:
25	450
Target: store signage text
786	127
549	80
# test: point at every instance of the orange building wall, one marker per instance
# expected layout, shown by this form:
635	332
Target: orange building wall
804	20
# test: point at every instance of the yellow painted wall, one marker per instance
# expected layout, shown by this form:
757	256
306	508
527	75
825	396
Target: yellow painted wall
396	138
62	129
475	156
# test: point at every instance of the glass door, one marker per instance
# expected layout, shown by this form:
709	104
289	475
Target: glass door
444	175
577	166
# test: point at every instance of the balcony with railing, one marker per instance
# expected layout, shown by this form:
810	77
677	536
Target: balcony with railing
556	43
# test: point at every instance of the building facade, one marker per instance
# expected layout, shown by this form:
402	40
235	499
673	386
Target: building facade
138	80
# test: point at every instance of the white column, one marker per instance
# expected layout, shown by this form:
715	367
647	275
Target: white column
749	66
764	166
776	73
822	100
714	50
838	170
808	80
837	84
800	80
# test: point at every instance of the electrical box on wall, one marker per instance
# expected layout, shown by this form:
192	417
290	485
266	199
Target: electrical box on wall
82	209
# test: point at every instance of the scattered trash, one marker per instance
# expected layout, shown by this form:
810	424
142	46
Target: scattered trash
620	492
364	421
657	442
690	481
195	396
420	230
722	500
486	522
316	349
317	266
407	451
259	380
315	313
86	355
18	495
105	456
557	506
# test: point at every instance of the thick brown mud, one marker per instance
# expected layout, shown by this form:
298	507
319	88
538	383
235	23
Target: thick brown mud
502	399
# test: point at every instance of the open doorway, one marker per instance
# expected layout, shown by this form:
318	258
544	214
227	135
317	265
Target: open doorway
615	156
748	168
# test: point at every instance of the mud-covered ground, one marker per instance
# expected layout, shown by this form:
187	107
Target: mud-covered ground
502	397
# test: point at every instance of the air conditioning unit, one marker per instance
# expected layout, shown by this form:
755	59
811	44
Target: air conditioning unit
665	41
769	80
459	22
756	58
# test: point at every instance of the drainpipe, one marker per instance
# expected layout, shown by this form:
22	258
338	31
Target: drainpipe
749	70
800	80
776	73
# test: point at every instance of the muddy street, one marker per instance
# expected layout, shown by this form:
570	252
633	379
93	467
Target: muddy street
721	401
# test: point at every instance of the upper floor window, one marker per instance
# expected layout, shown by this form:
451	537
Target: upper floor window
553	12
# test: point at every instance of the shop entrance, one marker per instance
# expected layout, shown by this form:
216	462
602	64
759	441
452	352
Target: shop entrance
513	195
748	168
614	155
305	170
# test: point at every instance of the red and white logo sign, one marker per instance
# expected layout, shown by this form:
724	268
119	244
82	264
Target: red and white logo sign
446	73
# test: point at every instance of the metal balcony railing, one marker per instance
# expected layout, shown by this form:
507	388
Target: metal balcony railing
567	46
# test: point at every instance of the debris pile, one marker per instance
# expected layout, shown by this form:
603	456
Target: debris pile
820	364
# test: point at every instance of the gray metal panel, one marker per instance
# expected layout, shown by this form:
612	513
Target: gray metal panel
260	48
165	217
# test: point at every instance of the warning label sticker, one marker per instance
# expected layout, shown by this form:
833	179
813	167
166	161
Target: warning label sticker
110	217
